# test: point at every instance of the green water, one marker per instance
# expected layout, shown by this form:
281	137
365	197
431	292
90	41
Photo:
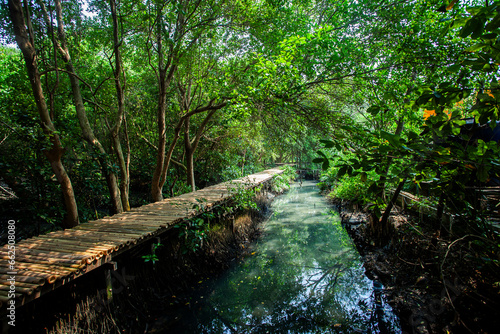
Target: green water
302	276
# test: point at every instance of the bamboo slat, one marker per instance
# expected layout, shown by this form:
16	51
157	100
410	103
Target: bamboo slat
25	279
34	275
132	230
49	274
4	295
34	287
123	240
83	252
82	245
147	219
62	242
144	220
78	264
88	251
22	290
50	268
99	236
51	254
87	239
62	251
77	239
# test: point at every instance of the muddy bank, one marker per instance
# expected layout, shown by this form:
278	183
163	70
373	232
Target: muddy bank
148	281
436	284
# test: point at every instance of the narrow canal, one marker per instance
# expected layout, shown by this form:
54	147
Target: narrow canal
302	276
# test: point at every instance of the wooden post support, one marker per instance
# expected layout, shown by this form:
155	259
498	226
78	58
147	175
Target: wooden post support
110	266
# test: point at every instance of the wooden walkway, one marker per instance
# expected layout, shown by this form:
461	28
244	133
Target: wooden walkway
49	261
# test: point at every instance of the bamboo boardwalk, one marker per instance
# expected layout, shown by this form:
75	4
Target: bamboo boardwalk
46	262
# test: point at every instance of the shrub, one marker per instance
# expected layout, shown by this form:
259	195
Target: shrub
350	189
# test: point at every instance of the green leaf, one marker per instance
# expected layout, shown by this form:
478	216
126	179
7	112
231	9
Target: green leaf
342	171
475	47
327	143
326	164
473	25
318	160
322	154
490	36
478	31
459	22
391	138
373	110
454	68
474	10
493	24
412	135
423	99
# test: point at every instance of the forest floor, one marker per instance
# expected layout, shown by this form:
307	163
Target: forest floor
435	284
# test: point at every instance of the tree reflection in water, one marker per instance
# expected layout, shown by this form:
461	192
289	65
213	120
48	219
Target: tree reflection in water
304	276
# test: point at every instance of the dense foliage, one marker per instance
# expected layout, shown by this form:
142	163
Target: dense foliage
440	132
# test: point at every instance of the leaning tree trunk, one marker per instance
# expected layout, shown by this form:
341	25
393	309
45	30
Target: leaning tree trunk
383	177
382	229
190	146
165	75
115	130
162	160
156	186
189	150
87	132
56	151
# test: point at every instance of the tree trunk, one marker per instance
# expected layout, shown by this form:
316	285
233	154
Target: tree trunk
56	151
156	187
399	130
383	178
165	74
168	157
115	130
124	171
383	228
189	151
190	146
87	132
190	169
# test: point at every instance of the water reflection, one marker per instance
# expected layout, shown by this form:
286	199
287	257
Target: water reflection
304	276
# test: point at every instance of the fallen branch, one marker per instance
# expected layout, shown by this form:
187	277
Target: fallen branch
8	192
